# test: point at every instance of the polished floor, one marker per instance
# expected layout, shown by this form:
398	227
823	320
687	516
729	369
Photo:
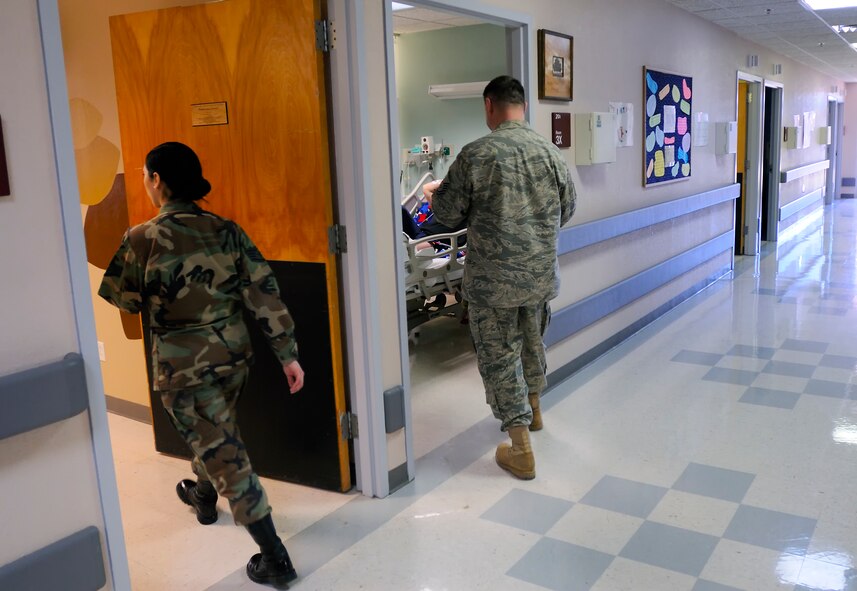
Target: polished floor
715	450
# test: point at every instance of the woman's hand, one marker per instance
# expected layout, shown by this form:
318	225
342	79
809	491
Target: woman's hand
295	375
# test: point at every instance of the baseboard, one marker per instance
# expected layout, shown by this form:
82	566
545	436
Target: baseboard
578	363
129	410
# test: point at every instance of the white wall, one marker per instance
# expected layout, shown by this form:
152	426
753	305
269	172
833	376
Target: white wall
49	474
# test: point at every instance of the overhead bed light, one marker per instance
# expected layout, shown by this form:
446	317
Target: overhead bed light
458	91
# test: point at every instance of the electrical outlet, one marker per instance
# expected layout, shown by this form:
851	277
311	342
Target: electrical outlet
101	355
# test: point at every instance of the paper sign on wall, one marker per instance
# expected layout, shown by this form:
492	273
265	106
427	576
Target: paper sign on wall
700	129
624	123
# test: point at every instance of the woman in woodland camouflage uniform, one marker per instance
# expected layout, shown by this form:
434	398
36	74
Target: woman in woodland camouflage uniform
192	273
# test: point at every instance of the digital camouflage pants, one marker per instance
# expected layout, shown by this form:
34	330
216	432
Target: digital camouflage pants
205	418
510	353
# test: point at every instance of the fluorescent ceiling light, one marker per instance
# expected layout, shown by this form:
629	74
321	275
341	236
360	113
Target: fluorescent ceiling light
458	91
400	6
827	4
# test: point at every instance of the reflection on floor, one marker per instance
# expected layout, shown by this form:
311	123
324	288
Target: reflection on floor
714	450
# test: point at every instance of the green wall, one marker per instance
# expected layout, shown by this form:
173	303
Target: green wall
445	56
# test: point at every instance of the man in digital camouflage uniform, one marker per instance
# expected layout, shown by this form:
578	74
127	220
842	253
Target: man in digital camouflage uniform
513	188
193	273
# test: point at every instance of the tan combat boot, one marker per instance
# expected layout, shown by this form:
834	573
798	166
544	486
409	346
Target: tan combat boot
537	424
518	457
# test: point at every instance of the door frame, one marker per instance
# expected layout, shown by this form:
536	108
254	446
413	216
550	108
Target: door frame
835	118
519	28
75	248
753	167
774	157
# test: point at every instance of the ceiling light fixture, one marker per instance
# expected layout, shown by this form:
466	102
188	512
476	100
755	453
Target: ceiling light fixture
828	4
400	6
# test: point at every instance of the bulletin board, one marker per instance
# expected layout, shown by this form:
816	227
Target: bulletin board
666	126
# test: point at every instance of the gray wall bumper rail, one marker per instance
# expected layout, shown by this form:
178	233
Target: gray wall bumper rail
787	176
577	237
74	563
587	311
37	397
814	198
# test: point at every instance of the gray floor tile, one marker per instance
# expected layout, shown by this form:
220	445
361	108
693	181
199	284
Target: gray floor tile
826	388
670	547
842	285
703	585
838	297
774	398
561	566
828	310
771	529
785	368
624	496
751	351
718	483
802	345
741	377
528	511
838	361
698	357
769	292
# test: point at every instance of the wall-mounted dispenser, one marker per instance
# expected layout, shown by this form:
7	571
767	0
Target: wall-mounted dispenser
594	138
726	137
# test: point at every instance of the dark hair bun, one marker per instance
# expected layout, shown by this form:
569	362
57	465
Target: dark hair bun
180	169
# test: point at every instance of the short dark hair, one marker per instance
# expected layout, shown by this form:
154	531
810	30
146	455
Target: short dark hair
180	169
505	89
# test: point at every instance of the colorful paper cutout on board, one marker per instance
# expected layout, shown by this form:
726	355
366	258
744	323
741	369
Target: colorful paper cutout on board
666	126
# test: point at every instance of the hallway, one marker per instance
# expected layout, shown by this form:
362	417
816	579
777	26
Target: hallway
714	450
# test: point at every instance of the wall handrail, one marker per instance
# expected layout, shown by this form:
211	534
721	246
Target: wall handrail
577	237
801	171
43	395
788	210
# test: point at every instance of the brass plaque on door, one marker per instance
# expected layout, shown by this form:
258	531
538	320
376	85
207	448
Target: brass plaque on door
203	114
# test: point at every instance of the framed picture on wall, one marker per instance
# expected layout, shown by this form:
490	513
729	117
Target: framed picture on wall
666	126
556	57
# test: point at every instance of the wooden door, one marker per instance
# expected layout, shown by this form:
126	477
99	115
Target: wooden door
242	83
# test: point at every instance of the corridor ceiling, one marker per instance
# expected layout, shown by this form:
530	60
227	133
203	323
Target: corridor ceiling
790	28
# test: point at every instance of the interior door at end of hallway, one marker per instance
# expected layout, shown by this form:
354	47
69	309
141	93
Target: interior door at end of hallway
242	83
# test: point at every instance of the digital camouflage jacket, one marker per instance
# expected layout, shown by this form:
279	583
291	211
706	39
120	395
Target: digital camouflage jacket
513	188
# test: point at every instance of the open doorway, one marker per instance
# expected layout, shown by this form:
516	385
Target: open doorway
773	115
748	165
443	59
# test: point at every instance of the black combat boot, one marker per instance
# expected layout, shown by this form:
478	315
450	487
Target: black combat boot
202	497
273	566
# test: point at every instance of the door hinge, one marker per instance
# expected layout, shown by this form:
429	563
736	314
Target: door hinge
336	239
746	230
325	35
348	424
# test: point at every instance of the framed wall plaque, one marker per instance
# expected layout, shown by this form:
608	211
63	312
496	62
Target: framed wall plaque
556	56
4	170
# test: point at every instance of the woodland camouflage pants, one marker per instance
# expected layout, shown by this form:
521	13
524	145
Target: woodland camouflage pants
205	418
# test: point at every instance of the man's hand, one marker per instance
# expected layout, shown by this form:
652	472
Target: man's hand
295	375
429	189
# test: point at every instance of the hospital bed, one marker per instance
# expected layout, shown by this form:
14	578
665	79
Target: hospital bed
434	269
